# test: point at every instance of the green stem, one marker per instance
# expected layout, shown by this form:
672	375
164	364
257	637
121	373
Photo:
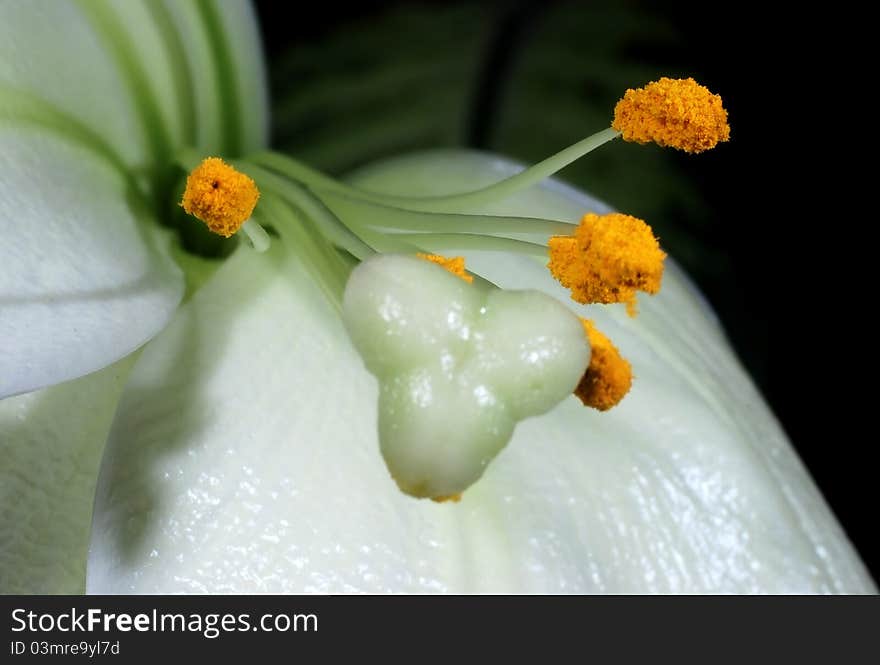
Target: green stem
292	168
260	240
465	241
389	242
367	213
526	178
331	226
447	203
317	255
361	244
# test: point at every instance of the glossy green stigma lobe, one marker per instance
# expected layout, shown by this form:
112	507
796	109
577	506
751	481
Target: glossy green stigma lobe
458	366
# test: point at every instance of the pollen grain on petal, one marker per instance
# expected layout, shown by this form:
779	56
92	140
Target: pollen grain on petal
679	113
453	498
220	196
454	265
609	375
607	260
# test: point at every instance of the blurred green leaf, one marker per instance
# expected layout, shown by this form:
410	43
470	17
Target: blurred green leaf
400	80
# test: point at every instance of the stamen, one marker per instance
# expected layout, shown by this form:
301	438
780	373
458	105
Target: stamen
432	242
454	265
679	113
609	258
220	196
330	225
257	235
608	377
318	255
497	191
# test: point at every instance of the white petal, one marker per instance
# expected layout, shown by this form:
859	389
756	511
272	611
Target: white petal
199	69
244	458
51	52
50	448
242	40
83	280
246	52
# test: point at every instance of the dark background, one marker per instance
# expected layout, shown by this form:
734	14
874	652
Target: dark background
769	225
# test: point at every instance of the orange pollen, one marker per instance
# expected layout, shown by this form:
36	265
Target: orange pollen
679	113
608	259
454	498
609	376
220	196
454	265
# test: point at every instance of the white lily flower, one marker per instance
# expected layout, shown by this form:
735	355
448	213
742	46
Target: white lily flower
244	457
243	454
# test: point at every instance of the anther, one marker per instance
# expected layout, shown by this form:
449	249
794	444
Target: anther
609	375
220	196
679	113
608	259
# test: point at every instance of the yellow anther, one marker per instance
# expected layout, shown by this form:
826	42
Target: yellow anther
679	113
454	265
220	196
609	376
608	259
